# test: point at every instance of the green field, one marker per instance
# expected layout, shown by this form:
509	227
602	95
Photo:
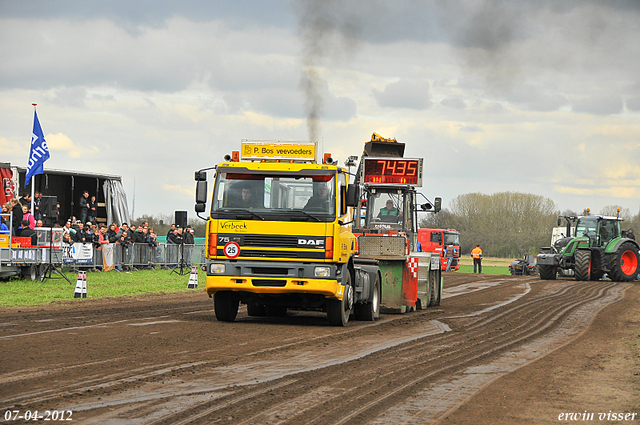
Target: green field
485	269
489	265
16	292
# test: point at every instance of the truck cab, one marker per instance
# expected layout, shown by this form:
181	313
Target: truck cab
437	241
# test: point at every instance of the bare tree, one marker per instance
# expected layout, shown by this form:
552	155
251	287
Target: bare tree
612	211
505	224
440	220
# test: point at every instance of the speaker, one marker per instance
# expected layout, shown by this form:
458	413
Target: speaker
181	219
48	206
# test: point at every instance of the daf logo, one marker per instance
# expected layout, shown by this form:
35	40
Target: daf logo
311	242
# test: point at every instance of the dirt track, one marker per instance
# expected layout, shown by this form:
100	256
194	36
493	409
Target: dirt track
499	349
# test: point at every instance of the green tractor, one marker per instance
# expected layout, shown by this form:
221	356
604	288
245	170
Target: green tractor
598	247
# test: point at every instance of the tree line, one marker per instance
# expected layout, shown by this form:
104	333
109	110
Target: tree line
509	224
505	224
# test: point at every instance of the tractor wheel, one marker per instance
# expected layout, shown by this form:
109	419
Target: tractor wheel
338	311
624	263
583	265
597	275
371	310
225	305
547	272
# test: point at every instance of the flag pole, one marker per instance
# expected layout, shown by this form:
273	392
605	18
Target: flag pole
33	178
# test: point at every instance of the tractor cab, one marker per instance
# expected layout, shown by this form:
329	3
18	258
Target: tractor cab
600	230
389	210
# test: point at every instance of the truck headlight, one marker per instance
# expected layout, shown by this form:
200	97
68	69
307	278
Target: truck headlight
322	271
216	268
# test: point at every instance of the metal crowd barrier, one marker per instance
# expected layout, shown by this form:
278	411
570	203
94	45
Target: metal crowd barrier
138	256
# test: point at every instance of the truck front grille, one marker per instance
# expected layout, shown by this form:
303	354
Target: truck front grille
275	241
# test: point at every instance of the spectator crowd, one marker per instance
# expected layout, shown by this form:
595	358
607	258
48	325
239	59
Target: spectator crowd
17	213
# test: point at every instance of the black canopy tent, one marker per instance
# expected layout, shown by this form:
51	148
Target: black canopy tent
68	186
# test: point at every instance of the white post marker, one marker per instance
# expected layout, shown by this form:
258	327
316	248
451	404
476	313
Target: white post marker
193	278
78	292
84	284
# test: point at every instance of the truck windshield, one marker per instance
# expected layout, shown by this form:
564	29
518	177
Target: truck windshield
275	197
451	238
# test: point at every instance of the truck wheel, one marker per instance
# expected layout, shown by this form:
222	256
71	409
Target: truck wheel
226	306
338	311
583	265
547	272
435	289
30	272
429	290
371	310
624	263
256	310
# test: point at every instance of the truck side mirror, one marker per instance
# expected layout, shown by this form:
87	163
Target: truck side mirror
201	176
201	193
352	195
437	205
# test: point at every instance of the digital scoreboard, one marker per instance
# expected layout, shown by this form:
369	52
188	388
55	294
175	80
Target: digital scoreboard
393	171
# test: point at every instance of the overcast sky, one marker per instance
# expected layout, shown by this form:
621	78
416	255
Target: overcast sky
536	96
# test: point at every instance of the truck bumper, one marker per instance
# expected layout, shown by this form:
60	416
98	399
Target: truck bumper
255	285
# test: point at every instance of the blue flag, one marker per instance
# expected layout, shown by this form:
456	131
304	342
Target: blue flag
39	151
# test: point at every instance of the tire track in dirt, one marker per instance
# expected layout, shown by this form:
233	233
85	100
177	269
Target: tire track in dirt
121	377
335	392
381	378
444	363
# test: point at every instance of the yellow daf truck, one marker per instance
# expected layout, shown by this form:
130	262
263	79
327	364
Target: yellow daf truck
279	235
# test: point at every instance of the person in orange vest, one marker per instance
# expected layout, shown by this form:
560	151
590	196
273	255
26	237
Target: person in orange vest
476	254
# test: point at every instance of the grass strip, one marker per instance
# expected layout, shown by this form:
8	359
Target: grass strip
17	292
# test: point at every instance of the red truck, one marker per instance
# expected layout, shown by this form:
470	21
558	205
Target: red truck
437	240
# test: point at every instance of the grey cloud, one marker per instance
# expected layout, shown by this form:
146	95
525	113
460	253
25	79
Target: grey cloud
633	103
411	94
341	109
234	102
327	105
278	103
540	96
471	129
243	74
96	53
102	98
493	108
130	14
454	102
599	105
70	96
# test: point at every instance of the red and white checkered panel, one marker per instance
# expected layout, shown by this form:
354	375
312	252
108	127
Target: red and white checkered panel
412	265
